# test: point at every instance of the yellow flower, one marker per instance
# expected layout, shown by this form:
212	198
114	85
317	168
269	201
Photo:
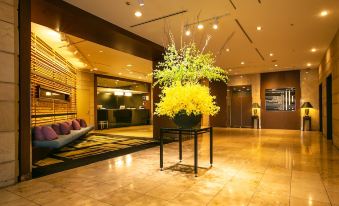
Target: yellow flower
191	98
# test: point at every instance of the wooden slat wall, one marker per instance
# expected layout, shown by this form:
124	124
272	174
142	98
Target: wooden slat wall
51	71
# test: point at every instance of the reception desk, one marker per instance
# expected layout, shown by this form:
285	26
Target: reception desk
124	117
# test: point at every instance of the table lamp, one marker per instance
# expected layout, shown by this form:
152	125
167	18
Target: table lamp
307	106
255	107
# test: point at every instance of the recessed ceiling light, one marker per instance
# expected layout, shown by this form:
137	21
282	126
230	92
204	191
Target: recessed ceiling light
95	69
309	64
313	50
200	26
138	14
271	54
188	32
215	24
129	65
242	63
324	13
259	28
227	49
230	70
120	73
139	77
100	51
276	65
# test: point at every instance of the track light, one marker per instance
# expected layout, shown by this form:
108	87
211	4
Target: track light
138	14
187	31
141	2
200	26
215	24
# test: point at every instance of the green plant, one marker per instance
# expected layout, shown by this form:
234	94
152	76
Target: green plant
187	65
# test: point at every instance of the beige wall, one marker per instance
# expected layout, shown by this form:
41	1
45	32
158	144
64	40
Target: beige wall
85	96
330	65
9	121
310	93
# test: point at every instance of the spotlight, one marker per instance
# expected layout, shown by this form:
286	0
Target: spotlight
215	24
324	13
141	2
187	31
138	14
200	26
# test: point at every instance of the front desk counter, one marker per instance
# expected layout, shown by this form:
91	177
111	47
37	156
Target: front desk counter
124	117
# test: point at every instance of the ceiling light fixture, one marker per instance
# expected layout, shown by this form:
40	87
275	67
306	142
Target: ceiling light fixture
324	13
259	28
120	73
215	24
100	51
95	69
118	93
228	50
128	94
309	64
242	63
271	54
187	31
138	14
200	26
276	65
313	50
129	65
141	3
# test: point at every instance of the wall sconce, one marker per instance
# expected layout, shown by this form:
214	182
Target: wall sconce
307	106
255	107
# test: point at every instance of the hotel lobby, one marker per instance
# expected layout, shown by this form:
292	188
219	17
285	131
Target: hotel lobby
144	102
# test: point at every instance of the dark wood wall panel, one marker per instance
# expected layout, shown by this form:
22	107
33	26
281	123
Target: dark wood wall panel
51	71
219	89
277	119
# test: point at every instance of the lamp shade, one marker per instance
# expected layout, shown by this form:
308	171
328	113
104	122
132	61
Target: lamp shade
255	105
307	105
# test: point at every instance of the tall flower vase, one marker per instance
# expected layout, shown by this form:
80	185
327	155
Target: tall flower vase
182	120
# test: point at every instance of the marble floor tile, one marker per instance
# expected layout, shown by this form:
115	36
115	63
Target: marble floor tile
251	167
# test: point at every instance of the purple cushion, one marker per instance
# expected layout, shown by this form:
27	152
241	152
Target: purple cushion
49	133
70	125
64	128
83	123
76	125
56	128
37	133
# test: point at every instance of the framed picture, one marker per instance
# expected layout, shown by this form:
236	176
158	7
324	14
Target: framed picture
281	99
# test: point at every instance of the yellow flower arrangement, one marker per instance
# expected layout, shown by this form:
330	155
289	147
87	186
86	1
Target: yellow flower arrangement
190	98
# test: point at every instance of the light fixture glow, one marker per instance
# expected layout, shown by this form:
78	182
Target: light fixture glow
215	24
259	28
200	26
128	94
141	3
138	14
313	50
309	64
324	13
276	65
242	63
228	50
188	32
271	54
120	73
129	65
118	93
95	69
101	51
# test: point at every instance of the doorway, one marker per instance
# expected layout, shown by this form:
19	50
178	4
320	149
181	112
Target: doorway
241	106
329	106
320	107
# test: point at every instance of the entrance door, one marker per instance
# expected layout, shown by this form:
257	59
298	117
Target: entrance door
329	106
320	107
241	106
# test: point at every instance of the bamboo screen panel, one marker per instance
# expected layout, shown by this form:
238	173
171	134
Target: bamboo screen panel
51	71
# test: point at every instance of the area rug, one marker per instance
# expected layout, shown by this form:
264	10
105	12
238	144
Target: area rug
89	149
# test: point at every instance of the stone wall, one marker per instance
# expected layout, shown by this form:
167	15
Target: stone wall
330	65
310	93
9	97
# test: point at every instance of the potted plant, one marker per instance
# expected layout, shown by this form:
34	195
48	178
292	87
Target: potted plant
179	75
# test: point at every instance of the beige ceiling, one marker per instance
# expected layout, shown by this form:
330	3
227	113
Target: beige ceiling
290	28
91	57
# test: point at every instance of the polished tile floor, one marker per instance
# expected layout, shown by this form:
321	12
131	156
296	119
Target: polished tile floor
251	167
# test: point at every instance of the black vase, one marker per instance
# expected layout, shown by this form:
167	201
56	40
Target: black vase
182	120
